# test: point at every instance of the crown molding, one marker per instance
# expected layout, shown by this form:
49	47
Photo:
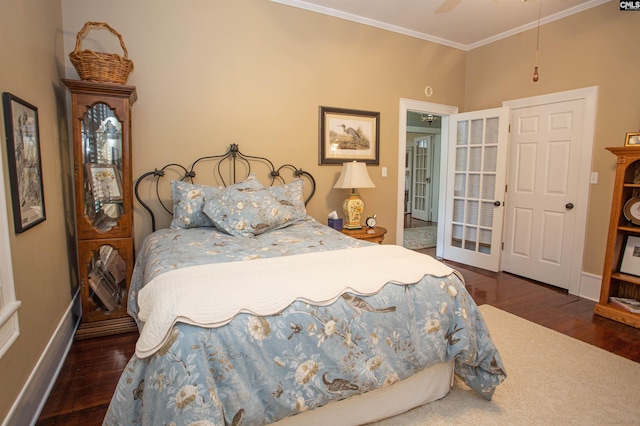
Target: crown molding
423	36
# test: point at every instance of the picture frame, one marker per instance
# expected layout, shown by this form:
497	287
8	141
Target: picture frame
105	182
25	165
630	263
632	139
348	135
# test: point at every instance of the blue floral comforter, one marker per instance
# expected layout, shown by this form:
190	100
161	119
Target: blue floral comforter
257	370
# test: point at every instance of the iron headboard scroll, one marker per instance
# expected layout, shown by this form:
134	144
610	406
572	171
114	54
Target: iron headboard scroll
238	166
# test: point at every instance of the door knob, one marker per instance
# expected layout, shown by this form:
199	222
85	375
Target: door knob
569	206
497	203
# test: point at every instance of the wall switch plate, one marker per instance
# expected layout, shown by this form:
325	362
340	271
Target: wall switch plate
594	177
384	172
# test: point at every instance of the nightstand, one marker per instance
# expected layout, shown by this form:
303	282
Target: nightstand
374	235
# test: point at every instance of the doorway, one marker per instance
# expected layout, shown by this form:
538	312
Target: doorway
422	182
431	131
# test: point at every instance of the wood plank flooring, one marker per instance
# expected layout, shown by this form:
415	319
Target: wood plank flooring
84	387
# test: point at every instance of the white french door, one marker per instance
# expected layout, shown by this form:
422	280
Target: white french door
421	185
476	177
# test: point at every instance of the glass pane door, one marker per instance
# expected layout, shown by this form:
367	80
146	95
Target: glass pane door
422	179
475	187
475	184
102	159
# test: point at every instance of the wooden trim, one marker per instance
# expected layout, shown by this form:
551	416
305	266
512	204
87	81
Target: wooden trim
108	89
88	330
617	314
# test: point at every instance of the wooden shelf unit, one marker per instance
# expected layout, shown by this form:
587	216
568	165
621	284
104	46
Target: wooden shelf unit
614	282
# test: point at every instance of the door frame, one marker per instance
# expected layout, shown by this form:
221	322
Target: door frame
444	111
590	96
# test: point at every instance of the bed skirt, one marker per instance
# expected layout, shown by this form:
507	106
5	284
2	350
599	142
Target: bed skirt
429	385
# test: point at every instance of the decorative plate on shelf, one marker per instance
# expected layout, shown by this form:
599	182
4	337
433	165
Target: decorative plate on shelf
632	210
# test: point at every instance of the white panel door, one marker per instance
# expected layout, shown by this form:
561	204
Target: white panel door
542	193
475	187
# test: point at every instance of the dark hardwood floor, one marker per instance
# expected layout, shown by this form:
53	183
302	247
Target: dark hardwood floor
84	387
412	222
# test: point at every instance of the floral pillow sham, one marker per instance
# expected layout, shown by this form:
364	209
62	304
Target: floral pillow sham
254	212
291	196
188	200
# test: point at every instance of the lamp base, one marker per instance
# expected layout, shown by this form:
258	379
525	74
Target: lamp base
352	227
352	208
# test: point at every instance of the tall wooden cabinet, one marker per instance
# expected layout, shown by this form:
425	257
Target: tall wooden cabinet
103	187
621	275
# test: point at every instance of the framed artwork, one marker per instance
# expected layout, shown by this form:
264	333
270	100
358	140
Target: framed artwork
105	182
25	168
630	263
348	135
632	139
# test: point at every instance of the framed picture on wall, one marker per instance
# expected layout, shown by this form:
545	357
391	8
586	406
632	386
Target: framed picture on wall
348	135
25	168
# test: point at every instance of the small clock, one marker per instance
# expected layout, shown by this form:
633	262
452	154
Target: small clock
371	221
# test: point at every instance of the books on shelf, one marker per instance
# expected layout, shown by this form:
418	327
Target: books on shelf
631	305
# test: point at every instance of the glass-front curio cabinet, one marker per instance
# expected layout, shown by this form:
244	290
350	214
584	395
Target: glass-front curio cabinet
101	115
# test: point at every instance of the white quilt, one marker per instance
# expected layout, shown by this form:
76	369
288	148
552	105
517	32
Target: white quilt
211	295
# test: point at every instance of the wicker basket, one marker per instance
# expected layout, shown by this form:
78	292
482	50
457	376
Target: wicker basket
98	66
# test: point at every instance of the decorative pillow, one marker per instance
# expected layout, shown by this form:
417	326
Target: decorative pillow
291	198
253	212
188	200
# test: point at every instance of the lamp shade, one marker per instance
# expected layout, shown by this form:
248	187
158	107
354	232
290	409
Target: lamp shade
354	175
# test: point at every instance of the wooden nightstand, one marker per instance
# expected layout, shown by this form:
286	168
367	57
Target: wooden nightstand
374	235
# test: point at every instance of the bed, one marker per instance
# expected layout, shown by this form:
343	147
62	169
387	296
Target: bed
247	319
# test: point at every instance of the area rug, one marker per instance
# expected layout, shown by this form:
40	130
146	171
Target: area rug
420	238
552	379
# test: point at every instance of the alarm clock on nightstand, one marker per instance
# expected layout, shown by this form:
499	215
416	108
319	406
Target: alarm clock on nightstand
371	222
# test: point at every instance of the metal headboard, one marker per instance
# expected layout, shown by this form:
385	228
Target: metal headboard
233	163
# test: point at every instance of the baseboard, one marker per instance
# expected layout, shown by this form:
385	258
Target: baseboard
34	394
590	286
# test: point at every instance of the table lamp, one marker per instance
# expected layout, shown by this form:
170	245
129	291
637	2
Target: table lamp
354	175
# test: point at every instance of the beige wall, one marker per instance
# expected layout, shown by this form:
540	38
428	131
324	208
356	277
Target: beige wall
254	72
32	54
598	47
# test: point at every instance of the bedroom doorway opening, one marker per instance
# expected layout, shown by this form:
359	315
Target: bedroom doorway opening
423	128
422	182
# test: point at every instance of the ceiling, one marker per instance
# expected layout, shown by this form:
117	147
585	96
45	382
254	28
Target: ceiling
463	24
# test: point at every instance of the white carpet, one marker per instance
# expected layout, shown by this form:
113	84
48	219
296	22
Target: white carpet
552	379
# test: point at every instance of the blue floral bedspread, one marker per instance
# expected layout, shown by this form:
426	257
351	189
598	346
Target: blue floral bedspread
257	370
